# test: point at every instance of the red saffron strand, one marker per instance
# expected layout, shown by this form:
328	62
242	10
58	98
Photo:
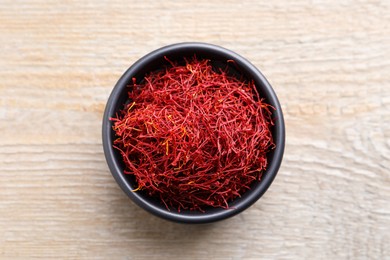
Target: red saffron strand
194	137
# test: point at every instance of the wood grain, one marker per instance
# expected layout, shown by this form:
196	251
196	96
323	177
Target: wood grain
328	61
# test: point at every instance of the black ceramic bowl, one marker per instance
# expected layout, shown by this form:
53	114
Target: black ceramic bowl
218	56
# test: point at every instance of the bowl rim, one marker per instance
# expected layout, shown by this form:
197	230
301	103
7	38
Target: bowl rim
254	194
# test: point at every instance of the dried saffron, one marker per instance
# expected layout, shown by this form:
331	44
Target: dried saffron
194	136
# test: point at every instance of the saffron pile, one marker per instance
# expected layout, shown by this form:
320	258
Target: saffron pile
194	136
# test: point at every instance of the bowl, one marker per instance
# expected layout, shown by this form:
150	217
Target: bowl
219	57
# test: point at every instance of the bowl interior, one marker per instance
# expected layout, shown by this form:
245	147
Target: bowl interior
219	57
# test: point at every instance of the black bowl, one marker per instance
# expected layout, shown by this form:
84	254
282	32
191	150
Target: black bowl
218	56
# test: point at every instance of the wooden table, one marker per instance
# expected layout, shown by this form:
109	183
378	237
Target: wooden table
328	61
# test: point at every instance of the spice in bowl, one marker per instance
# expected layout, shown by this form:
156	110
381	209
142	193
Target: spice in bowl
194	136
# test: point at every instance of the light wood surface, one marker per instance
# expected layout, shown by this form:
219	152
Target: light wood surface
328	61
